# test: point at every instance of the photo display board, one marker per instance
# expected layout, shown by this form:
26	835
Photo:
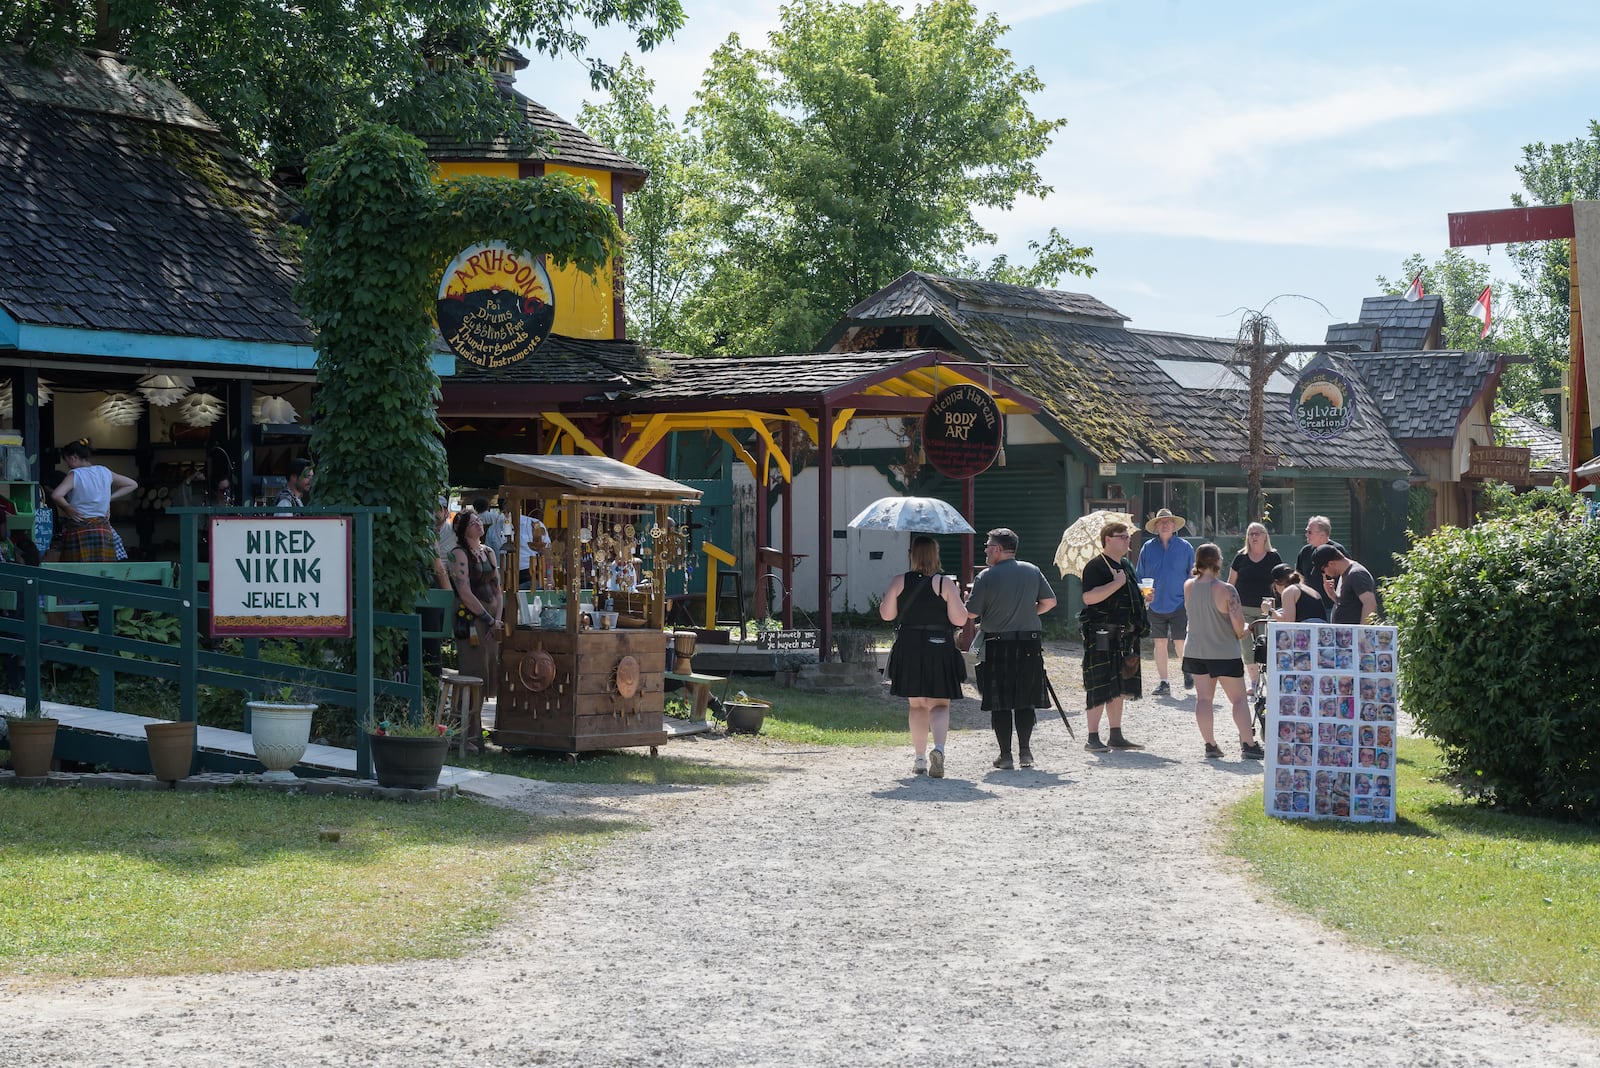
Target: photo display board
1331	702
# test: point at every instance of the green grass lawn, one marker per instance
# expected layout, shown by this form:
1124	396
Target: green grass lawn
842	717
1509	901
111	883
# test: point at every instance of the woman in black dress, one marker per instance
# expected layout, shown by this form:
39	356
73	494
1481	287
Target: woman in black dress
1300	603
924	665
1251	574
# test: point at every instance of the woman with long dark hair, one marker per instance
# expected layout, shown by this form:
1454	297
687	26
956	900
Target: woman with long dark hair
475	576
924	665
1299	602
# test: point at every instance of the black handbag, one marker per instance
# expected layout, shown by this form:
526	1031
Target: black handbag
462	625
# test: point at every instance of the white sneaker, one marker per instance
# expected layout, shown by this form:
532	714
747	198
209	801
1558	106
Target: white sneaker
936	764
919	766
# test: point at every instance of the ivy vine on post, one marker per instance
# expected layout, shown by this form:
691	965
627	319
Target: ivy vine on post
382	231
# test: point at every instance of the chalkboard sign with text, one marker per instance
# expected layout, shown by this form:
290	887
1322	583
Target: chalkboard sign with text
961	432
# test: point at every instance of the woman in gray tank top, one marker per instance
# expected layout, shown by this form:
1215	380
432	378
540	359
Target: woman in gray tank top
1216	623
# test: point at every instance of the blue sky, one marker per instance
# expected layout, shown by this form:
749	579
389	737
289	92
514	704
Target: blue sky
1220	156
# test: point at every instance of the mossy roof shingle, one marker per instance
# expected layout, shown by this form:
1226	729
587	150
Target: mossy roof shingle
1102	384
119	219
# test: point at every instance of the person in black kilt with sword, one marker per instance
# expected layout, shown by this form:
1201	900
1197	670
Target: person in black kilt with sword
1008	598
1113	620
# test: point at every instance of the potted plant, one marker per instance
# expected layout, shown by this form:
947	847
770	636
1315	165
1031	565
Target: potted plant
280	729
171	747
32	738
745	713
407	752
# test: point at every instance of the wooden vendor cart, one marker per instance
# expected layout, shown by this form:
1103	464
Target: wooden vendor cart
581	678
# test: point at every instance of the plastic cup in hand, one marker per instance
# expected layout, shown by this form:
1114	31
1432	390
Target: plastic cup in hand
1149	588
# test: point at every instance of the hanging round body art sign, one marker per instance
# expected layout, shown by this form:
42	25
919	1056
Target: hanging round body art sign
961	432
1322	404
495	305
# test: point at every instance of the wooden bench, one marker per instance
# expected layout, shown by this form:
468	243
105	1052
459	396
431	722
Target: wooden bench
699	686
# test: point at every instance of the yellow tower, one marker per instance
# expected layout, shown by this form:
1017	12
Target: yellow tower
587	305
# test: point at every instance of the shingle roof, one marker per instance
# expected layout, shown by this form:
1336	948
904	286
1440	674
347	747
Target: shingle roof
573	361
110	222
1353	337
1101	383
1425	395
918	293
1403	325
802	375
1548	451
567	144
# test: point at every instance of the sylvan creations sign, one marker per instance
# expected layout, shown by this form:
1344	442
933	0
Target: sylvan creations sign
280	575
1322	404
961	432
495	305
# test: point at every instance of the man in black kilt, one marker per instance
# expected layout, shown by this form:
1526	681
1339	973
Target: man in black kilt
1113	620
1008	598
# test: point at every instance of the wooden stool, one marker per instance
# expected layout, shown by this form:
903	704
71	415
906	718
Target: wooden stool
458	696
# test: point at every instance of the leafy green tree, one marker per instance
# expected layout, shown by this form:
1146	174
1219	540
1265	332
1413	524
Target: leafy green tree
1551	174
285	79
856	147
663	262
382	231
1458	279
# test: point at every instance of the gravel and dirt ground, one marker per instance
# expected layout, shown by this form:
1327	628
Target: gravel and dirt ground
843	912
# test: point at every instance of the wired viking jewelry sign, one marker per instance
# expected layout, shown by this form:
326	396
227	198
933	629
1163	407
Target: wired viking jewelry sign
281	576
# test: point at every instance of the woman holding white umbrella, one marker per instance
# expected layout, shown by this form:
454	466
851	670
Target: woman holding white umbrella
924	665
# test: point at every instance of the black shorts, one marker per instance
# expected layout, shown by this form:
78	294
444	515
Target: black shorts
1217	669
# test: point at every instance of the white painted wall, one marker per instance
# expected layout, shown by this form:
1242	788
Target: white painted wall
853	489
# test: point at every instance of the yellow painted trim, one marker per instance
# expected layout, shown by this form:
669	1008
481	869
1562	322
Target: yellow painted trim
840	422
577	435
804	422
650	435
718	554
739	450
774	454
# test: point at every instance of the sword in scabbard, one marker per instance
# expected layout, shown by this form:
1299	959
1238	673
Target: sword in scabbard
1051	690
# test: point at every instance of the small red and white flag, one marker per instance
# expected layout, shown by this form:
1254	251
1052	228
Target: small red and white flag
1480	311
1414	290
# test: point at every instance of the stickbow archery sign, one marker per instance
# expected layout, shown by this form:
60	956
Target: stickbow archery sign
961	432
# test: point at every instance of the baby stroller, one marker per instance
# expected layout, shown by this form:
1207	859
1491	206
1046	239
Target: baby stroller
1258	691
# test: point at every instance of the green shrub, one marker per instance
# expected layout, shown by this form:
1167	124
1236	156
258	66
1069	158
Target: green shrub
1500	657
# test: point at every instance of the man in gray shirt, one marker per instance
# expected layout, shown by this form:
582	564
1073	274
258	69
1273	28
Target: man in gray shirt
1008	598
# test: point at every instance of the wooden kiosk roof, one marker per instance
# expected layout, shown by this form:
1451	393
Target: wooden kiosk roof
591	476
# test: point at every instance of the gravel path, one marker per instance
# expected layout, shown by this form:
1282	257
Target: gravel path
843	912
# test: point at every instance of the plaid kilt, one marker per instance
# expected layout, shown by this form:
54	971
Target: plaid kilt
1102	677
90	542
1011	674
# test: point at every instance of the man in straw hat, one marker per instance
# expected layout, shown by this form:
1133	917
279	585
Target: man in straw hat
1169	560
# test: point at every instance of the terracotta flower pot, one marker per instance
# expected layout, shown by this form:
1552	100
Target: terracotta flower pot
171	749
33	746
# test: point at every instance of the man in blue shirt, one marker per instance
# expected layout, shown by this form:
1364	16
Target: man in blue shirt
1169	560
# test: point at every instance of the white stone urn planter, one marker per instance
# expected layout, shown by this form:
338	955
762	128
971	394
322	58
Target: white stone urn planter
279	733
